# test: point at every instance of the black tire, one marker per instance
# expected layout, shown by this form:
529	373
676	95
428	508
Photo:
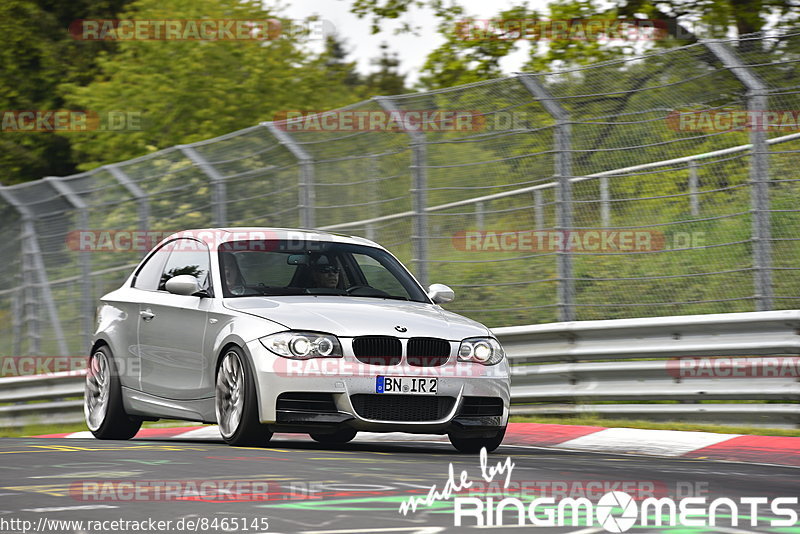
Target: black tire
343	435
113	423
248	431
474	445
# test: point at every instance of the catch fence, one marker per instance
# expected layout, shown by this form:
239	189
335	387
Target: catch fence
609	191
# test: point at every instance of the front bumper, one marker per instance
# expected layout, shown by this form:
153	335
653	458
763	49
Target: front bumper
348	381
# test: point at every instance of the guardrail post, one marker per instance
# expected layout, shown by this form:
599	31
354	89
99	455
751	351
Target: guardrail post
759	173
563	175
218	192
306	192
33	267
85	260
419	193
142	198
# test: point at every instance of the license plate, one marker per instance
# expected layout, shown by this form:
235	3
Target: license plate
406	385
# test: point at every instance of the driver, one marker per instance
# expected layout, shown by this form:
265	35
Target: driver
325	275
233	277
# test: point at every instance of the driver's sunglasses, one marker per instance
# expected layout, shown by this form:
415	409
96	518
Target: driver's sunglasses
327	269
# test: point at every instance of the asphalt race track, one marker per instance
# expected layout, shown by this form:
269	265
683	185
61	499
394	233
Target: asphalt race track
299	486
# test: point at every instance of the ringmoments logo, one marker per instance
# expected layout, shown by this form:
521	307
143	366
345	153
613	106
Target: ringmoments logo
614	511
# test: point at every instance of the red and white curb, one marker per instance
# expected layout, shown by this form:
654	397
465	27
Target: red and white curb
671	443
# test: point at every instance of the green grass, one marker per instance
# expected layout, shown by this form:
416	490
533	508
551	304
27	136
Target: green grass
693	427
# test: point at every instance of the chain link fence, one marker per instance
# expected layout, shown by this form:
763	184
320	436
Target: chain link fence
590	193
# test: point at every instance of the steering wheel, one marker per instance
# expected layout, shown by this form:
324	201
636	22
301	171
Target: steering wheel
366	291
351	289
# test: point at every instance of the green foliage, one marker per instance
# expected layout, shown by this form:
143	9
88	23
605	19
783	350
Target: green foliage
36	54
387	80
460	60
187	91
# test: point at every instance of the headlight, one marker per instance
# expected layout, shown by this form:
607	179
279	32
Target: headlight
303	345
485	350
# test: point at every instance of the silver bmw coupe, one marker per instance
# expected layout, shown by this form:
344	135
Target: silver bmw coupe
264	330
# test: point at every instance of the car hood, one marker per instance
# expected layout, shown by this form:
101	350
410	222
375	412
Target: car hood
357	316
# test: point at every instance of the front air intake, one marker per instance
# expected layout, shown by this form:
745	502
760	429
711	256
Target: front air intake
427	351
402	407
378	350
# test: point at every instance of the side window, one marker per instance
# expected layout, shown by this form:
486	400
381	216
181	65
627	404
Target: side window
187	256
149	274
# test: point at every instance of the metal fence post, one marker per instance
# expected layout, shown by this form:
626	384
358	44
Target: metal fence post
479	212
419	193
374	196
218	192
85	260
142	198
563	174
306	191
16	323
37	268
694	183
30	311
759	174
33	267
538	209
605	203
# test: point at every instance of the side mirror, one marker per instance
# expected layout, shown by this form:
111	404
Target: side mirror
440	294
183	284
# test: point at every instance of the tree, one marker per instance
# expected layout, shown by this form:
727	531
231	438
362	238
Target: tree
464	60
186	91
36	54
387	80
335	61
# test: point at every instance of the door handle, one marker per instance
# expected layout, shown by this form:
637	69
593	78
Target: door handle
147	315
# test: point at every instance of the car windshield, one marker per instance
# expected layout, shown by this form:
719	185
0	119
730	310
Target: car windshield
276	267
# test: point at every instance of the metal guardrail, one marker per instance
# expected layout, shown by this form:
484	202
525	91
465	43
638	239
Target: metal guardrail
20	398
617	368
624	368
